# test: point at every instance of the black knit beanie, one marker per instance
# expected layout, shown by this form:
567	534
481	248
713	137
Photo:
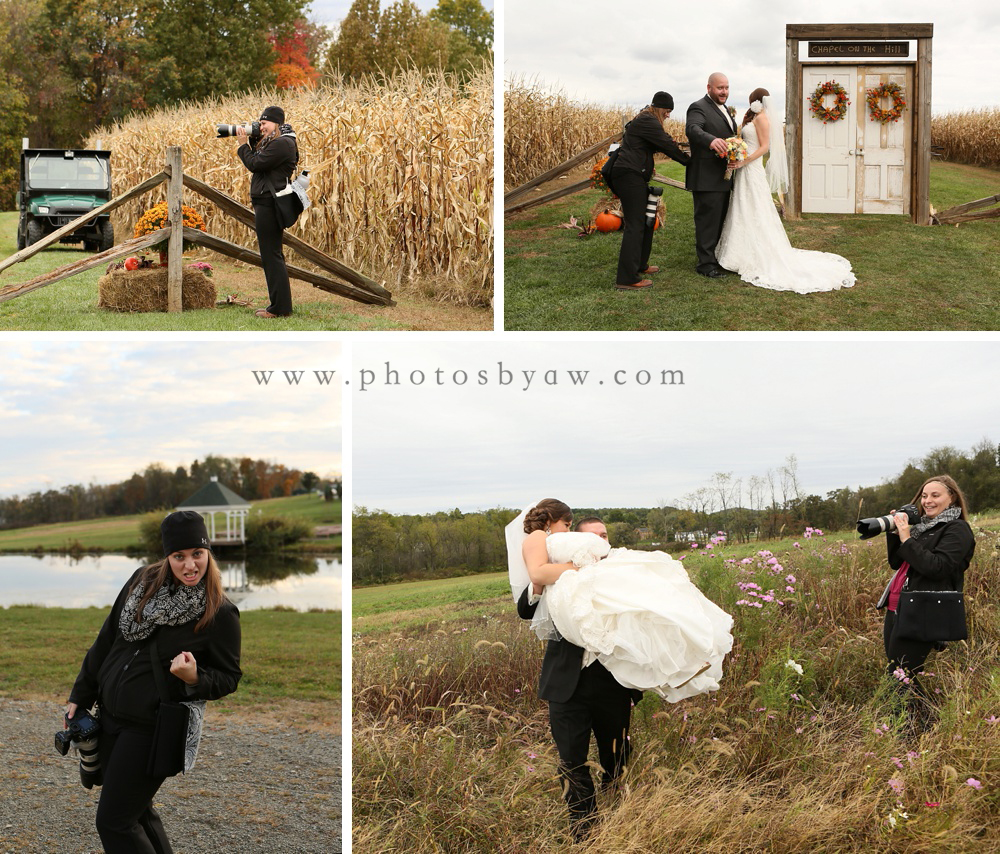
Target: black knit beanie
183	529
663	100
273	114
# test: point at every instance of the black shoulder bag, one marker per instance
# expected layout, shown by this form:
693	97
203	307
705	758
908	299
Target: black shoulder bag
931	616
178	727
287	204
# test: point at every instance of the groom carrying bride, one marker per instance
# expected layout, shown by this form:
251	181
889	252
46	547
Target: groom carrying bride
583	697
709	125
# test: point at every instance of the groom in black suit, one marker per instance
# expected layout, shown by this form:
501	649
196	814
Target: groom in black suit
583	697
709	124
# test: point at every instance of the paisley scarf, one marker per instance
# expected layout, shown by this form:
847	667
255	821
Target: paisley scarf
171	605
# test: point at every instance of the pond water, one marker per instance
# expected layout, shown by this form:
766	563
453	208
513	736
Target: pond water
64	581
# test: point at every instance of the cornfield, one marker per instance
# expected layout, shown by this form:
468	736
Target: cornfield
543	129
971	137
401	175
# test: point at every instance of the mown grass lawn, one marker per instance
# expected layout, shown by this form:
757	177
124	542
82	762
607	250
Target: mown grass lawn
71	304
909	277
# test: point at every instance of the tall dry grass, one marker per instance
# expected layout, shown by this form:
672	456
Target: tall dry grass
543	129
970	137
452	751
401	174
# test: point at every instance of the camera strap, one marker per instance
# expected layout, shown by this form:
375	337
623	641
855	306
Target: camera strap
158	677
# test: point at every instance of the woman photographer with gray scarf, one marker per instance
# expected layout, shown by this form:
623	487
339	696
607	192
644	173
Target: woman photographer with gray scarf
272	160
179	604
932	554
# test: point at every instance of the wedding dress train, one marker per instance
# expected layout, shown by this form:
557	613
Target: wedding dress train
755	245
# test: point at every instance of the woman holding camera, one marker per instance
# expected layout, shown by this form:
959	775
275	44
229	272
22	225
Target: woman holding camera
272	160
630	175
179	602
932	554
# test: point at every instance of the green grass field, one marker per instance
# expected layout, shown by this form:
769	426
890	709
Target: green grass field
452	751
117	533
909	277
71	304
289	659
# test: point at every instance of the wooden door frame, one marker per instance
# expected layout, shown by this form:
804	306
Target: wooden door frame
920	103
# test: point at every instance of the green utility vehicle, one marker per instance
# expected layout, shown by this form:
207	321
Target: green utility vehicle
59	185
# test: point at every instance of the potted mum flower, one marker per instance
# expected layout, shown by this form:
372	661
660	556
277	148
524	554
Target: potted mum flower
158	217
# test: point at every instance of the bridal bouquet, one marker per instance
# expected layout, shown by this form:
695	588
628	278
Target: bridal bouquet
736	150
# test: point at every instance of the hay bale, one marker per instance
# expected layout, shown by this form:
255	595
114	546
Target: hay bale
146	290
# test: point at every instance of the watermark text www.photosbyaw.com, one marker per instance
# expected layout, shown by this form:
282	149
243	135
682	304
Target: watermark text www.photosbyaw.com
498	376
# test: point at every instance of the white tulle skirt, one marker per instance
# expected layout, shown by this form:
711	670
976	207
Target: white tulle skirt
646	621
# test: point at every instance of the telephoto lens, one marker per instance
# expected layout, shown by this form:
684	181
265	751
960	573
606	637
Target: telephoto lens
652	202
868	528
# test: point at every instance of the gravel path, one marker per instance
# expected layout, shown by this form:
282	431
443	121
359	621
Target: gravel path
258	788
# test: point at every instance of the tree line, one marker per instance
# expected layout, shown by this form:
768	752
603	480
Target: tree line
158	488
389	547
71	66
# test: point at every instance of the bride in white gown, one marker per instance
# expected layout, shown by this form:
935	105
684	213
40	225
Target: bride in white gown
753	241
637	611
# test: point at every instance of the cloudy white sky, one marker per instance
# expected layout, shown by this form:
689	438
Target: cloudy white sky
852	413
88	411
332	12
621	53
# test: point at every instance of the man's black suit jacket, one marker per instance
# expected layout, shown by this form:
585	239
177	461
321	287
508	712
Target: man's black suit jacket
706	172
561	666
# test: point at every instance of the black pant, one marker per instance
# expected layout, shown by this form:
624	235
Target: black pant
602	706
637	239
126	820
269	234
710	210
910	655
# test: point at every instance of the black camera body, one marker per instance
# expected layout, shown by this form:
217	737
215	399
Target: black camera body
868	528
252	129
82	731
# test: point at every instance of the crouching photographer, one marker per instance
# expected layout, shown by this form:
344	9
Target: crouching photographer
930	545
271	158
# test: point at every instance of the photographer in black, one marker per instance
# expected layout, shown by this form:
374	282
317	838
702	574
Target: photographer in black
272	159
631	173
929	553
172	615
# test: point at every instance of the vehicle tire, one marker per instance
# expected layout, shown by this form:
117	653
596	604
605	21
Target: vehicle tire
20	238
36	231
107	237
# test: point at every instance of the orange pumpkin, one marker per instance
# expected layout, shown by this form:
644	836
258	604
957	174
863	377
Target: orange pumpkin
607	221
131	263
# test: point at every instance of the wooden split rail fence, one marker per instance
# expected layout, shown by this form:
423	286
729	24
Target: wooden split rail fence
355	285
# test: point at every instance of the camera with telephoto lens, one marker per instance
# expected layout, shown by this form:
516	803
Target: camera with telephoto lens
652	201
869	528
252	129
82	732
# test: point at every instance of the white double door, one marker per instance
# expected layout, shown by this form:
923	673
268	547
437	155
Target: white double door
856	165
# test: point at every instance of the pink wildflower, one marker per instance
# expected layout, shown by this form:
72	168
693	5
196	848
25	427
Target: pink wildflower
972	781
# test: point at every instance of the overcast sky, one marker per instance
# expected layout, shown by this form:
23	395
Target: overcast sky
621	53
332	12
77	412
852	413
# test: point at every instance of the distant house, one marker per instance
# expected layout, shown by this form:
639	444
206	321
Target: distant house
214	500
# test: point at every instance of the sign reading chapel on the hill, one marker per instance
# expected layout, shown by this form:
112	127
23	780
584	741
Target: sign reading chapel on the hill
858	50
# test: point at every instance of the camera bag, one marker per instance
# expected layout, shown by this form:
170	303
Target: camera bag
931	616
177	733
287	204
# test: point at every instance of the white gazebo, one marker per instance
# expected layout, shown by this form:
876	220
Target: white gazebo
214	499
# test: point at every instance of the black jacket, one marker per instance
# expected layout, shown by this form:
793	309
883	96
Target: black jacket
707	171
561	665
938	557
275	161
118	673
643	136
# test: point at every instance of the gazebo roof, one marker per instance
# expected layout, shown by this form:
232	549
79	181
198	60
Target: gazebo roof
214	494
